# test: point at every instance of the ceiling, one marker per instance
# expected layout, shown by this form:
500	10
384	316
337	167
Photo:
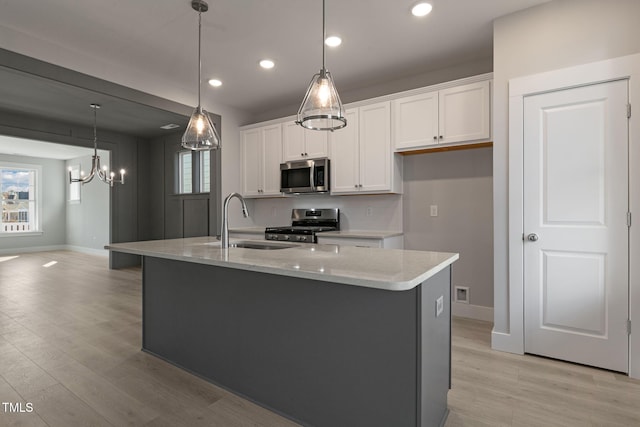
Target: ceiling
157	40
42	149
36	96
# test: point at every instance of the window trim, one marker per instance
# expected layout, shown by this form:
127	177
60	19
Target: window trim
38	198
197	172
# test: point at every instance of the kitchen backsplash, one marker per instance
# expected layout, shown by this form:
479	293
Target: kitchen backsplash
374	212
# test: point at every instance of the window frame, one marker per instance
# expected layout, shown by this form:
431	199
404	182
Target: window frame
198	172
36	198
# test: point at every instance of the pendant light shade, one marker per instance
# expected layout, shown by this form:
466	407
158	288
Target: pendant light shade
201	134
321	108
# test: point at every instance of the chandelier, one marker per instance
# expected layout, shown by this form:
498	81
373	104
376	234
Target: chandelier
102	173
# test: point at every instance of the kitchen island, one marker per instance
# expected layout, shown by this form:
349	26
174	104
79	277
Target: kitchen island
325	335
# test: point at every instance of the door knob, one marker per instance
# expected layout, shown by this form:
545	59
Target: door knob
533	237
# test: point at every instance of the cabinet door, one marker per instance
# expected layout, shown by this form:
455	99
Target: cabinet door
316	143
250	153
292	141
375	147
271	158
345	156
415	121
465	113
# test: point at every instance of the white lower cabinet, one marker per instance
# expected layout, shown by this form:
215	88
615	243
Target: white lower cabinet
395	242
261	154
362	160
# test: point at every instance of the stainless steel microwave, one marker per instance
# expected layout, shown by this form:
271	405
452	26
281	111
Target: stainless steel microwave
305	176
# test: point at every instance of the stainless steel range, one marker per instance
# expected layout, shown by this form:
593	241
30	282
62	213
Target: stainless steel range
305	224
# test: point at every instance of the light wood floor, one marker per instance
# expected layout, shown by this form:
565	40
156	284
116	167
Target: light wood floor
70	345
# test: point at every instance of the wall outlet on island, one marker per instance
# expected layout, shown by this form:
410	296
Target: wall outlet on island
274	211
369	211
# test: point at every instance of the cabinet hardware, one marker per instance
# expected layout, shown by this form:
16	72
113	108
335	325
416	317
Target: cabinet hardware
440	136
435	138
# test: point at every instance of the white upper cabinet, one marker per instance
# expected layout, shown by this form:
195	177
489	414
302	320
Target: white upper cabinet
415	120
300	143
261	154
456	115
362	160
345	159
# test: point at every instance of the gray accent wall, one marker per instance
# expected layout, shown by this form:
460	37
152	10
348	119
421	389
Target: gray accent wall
460	184
555	35
174	215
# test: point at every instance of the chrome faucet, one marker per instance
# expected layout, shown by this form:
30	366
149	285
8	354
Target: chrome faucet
224	234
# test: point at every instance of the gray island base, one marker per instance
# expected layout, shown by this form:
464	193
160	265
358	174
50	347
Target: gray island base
317	352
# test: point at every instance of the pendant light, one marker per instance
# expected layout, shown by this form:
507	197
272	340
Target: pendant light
201	134
102	173
321	108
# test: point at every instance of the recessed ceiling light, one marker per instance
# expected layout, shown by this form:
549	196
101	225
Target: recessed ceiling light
215	82
267	64
333	41
421	9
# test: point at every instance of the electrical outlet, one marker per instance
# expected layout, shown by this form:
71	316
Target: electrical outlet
369	211
439	305
274	211
461	294
434	210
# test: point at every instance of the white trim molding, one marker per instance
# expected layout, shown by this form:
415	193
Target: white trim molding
627	67
470	311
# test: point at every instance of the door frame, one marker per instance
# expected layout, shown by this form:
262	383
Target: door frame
626	67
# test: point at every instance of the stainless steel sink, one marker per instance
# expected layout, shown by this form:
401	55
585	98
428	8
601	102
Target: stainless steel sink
256	244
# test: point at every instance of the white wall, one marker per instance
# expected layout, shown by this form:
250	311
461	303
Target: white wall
554	35
87	222
53	207
460	184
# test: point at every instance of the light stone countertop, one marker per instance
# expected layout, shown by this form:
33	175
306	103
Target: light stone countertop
361	234
388	269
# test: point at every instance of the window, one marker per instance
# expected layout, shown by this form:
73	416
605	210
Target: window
74	187
19	189
205	171
194	172
185	172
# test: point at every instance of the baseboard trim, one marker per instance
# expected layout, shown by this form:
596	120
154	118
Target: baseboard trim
502	341
15	251
90	251
476	312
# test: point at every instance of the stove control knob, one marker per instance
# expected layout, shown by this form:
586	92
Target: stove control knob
286	237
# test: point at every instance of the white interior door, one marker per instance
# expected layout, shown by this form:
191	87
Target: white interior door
575	225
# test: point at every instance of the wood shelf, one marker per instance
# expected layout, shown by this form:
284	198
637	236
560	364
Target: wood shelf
448	148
